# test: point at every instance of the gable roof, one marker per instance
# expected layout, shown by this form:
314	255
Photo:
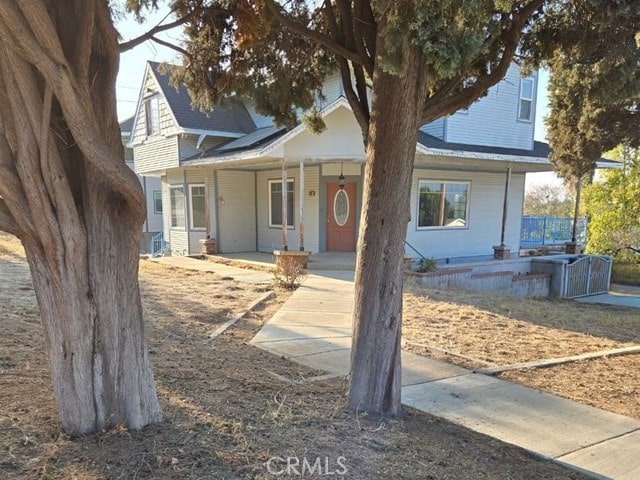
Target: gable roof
126	126
231	117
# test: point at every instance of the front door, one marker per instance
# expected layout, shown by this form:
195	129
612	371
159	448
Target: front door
341	217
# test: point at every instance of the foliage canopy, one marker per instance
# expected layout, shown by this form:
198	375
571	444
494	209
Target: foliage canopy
614	210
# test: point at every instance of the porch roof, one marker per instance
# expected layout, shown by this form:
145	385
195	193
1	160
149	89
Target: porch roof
262	146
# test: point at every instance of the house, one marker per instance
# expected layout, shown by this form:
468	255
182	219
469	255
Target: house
222	173
152	191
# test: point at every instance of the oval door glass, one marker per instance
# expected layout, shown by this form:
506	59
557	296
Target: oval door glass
341	207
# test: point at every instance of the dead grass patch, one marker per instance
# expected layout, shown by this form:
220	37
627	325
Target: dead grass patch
225	416
504	330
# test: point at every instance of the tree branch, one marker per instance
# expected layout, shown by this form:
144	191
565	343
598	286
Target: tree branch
171	46
317	37
442	104
134	42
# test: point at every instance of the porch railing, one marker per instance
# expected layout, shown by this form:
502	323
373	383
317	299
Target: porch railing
551	231
157	245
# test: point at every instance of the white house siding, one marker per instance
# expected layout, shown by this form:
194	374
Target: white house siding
331	90
177	237
167	124
493	120
156	155
435	128
154	220
237	217
270	238
486	196
342	139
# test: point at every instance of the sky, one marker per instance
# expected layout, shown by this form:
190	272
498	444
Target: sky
132	64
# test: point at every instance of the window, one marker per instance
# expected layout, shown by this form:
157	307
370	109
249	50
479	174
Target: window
198	208
152	112
157	201
177	207
525	109
442	204
275	203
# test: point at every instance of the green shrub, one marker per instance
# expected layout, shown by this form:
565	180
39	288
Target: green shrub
427	265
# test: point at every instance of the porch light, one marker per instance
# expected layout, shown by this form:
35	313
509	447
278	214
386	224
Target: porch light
341	178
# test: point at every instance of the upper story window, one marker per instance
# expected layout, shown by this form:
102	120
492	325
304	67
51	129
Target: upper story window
525	108
152	112
275	203
442	204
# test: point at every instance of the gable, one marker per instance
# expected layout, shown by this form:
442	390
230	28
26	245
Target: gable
168	126
341	139
229	117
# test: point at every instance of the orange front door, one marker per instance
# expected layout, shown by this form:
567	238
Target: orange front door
341	218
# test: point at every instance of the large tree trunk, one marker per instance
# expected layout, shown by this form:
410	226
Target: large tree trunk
78	209
377	319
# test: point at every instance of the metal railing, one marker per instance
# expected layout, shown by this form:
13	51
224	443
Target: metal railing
157	245
551	230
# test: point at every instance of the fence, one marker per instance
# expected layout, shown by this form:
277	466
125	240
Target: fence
551	231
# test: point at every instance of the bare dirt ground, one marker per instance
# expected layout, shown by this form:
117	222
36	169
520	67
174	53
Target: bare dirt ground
499	330
226	416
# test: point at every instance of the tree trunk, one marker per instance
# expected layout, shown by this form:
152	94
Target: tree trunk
377	319
66	191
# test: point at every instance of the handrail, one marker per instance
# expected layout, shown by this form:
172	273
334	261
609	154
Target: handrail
414	249
157	245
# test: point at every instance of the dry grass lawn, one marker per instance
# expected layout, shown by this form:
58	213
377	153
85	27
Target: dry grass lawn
499	330
226	415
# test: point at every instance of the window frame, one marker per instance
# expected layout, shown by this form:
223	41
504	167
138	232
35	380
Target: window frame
204	195
155	201
522	98
270	211
148	115
171	208
444	227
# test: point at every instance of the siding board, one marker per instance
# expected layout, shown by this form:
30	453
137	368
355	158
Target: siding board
237	215
485	216
493	120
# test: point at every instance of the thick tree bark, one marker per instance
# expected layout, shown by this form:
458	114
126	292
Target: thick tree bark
377	318
78	209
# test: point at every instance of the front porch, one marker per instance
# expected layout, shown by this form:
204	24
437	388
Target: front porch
341	261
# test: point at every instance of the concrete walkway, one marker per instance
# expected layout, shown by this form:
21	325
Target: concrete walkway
314	328
619	295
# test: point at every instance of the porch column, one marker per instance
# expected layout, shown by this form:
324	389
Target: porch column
502	251
285	244
505	207
302	205
572	247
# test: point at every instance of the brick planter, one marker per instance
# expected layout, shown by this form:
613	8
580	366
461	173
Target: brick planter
501	252
572	248
283	257
208	246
